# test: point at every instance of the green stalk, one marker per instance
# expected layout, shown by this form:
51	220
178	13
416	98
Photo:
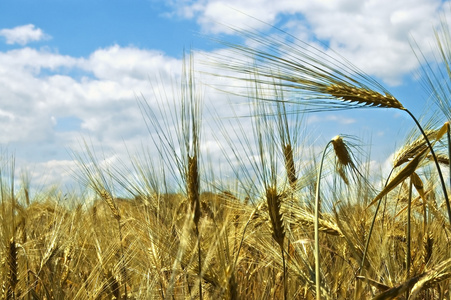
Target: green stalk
317	211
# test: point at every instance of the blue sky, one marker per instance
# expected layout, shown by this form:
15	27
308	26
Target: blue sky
80	27
72	70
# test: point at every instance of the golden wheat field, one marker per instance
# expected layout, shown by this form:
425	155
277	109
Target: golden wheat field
290	225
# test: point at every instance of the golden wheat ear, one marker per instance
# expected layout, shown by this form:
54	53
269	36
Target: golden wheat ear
274	206
289	164
343	155
274	201
106	196
362	96
192	179
413	148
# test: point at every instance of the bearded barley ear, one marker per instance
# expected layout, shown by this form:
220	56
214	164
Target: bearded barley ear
359	95
193	188
401	176
343	156
274	201
274	204
289	164
105	195
409	151
307	220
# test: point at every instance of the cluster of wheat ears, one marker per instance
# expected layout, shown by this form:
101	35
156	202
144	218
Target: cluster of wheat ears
287	227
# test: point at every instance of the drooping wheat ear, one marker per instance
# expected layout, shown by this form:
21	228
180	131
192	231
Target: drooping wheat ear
274	204
289	164
343	155
411	150
359	95
109	200
193	187
341	151
308	220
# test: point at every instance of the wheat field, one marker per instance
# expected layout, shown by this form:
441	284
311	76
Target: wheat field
289	226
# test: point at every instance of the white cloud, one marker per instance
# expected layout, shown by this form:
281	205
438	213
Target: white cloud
339	119
37	89
23	35
375	35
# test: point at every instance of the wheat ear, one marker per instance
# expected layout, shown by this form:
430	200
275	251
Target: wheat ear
193	188
116	213
274	201
105	195
343	157
274	204
362	96
411	150
289	164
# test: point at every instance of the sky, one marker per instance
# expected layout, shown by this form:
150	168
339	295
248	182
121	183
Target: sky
74	71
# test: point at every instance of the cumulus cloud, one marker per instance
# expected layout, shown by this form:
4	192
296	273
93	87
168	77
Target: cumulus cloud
23	35
374	35
46	111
